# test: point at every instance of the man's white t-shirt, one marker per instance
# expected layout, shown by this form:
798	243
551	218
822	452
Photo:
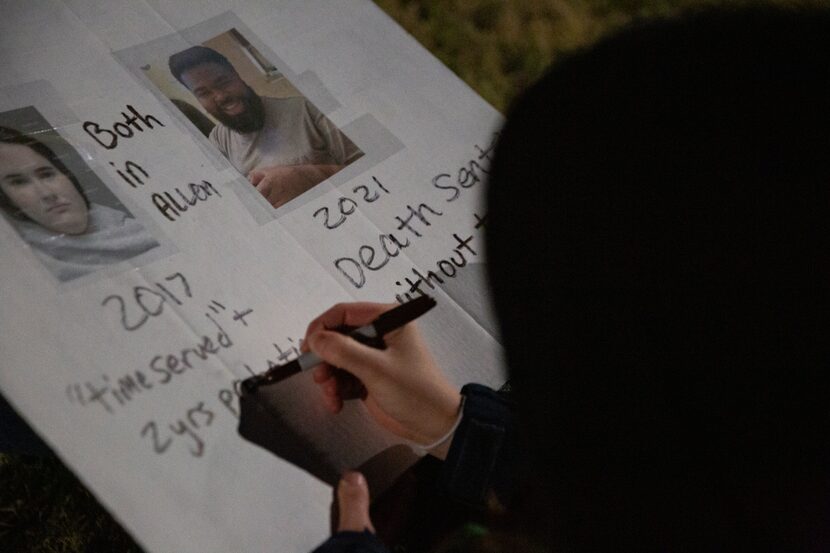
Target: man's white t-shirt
294	133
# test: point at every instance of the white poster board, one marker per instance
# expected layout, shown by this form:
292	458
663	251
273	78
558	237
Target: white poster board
125	362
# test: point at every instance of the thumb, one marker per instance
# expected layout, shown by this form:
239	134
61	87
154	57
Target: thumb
353	503
255	176
338	350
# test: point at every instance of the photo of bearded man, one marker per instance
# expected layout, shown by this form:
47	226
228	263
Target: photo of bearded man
284	146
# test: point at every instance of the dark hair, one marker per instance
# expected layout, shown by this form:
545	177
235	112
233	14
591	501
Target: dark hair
194	56
12	136
659	253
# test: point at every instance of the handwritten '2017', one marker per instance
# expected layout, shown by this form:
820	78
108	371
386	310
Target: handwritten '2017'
149	302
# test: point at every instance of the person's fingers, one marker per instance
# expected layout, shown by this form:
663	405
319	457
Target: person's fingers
338	386
338	350
353	503
324	378
331	399
351	314
264	187
255	176
321	372
332	403
349	386
269	187
330	387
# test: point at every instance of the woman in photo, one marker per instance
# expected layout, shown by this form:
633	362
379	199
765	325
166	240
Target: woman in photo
48	207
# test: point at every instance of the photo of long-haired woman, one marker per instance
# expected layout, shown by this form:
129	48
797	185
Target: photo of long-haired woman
49	207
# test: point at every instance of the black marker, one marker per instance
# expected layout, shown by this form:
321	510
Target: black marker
370	334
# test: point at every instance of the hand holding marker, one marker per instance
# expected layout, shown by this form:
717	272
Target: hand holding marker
370	334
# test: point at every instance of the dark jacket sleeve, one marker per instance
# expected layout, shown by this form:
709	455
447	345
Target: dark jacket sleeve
481	461
352	542
482	457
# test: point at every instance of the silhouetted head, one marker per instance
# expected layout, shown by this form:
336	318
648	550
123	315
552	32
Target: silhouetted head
659	251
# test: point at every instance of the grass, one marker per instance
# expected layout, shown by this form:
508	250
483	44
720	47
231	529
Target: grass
498	47
45	509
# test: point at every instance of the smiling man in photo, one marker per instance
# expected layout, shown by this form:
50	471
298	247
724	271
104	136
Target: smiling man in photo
284	146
